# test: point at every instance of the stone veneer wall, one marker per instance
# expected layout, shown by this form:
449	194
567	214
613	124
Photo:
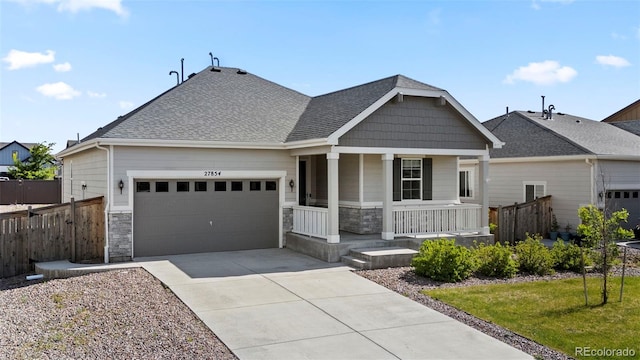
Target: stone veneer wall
361	221
287	224
120	244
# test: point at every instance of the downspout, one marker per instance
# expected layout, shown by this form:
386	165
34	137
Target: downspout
107	206
592	174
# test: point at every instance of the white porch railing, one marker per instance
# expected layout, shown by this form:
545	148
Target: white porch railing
309	220
421	220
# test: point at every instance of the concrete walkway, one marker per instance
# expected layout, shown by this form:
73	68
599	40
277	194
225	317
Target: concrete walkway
278	304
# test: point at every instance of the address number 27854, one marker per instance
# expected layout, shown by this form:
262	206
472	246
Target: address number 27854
212	173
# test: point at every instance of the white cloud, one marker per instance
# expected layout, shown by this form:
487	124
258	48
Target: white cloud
75	6
535	4
125	104
542	73
64	67
59	91
96	95
21	59
611	60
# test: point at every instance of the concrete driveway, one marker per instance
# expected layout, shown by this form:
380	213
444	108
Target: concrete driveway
278	304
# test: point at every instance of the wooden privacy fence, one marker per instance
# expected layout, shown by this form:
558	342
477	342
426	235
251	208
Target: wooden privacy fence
515	221
30	192
73	231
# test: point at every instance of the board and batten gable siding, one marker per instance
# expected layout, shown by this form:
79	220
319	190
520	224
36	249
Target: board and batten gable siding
189	159
618	174
89	166
568	182
6	154
416	122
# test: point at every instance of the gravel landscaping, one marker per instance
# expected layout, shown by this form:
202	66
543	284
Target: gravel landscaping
130	314
120	314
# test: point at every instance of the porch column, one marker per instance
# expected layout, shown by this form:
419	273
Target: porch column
333	231
387	199
483	166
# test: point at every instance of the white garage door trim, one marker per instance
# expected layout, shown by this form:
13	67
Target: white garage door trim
134	175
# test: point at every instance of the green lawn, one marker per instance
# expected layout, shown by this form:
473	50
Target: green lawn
553	313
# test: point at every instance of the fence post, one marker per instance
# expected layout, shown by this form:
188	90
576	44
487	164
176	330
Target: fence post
515	223
73	230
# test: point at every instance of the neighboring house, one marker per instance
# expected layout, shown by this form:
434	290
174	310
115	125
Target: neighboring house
10	149
576	160
629	112
229	161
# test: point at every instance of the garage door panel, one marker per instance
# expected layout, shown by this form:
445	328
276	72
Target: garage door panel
205	221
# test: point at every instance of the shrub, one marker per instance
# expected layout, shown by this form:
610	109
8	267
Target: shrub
495	260
443	260
569	257
533	257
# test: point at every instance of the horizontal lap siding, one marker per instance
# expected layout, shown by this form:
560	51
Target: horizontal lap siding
349	177
89	166
415	123
445	175
568	182
175	159
373	190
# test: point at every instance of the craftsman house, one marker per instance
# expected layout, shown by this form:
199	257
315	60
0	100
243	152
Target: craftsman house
227	160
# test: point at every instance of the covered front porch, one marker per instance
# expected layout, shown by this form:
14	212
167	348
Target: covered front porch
348	200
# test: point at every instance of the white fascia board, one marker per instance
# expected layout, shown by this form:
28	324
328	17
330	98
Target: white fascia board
333	138
408	151
541	159
619	157
496	143
306	143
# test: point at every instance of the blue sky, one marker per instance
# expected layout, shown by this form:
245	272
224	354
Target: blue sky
71	66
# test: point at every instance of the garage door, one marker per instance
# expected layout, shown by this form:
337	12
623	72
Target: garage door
192	216
628	199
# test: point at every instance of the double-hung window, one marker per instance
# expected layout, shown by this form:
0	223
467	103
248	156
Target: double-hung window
534	190
411	179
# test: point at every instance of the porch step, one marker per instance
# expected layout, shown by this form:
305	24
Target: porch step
379	258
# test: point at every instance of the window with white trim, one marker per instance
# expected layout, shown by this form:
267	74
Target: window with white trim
411	179
534	190
466	184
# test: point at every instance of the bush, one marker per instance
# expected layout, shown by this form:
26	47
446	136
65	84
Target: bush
495	261
569	257
533	257
443	260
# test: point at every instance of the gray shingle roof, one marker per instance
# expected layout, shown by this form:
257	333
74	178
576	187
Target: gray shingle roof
632	126
214	106
327	113
527	134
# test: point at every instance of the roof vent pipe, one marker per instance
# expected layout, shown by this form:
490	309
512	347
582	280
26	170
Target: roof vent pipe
543	113
177	76
213	66
550	112
182	68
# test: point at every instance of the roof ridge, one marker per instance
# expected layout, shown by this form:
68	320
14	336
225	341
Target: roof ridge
359	86
554	133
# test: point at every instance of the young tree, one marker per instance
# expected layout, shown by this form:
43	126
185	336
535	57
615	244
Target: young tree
602	231
39	165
